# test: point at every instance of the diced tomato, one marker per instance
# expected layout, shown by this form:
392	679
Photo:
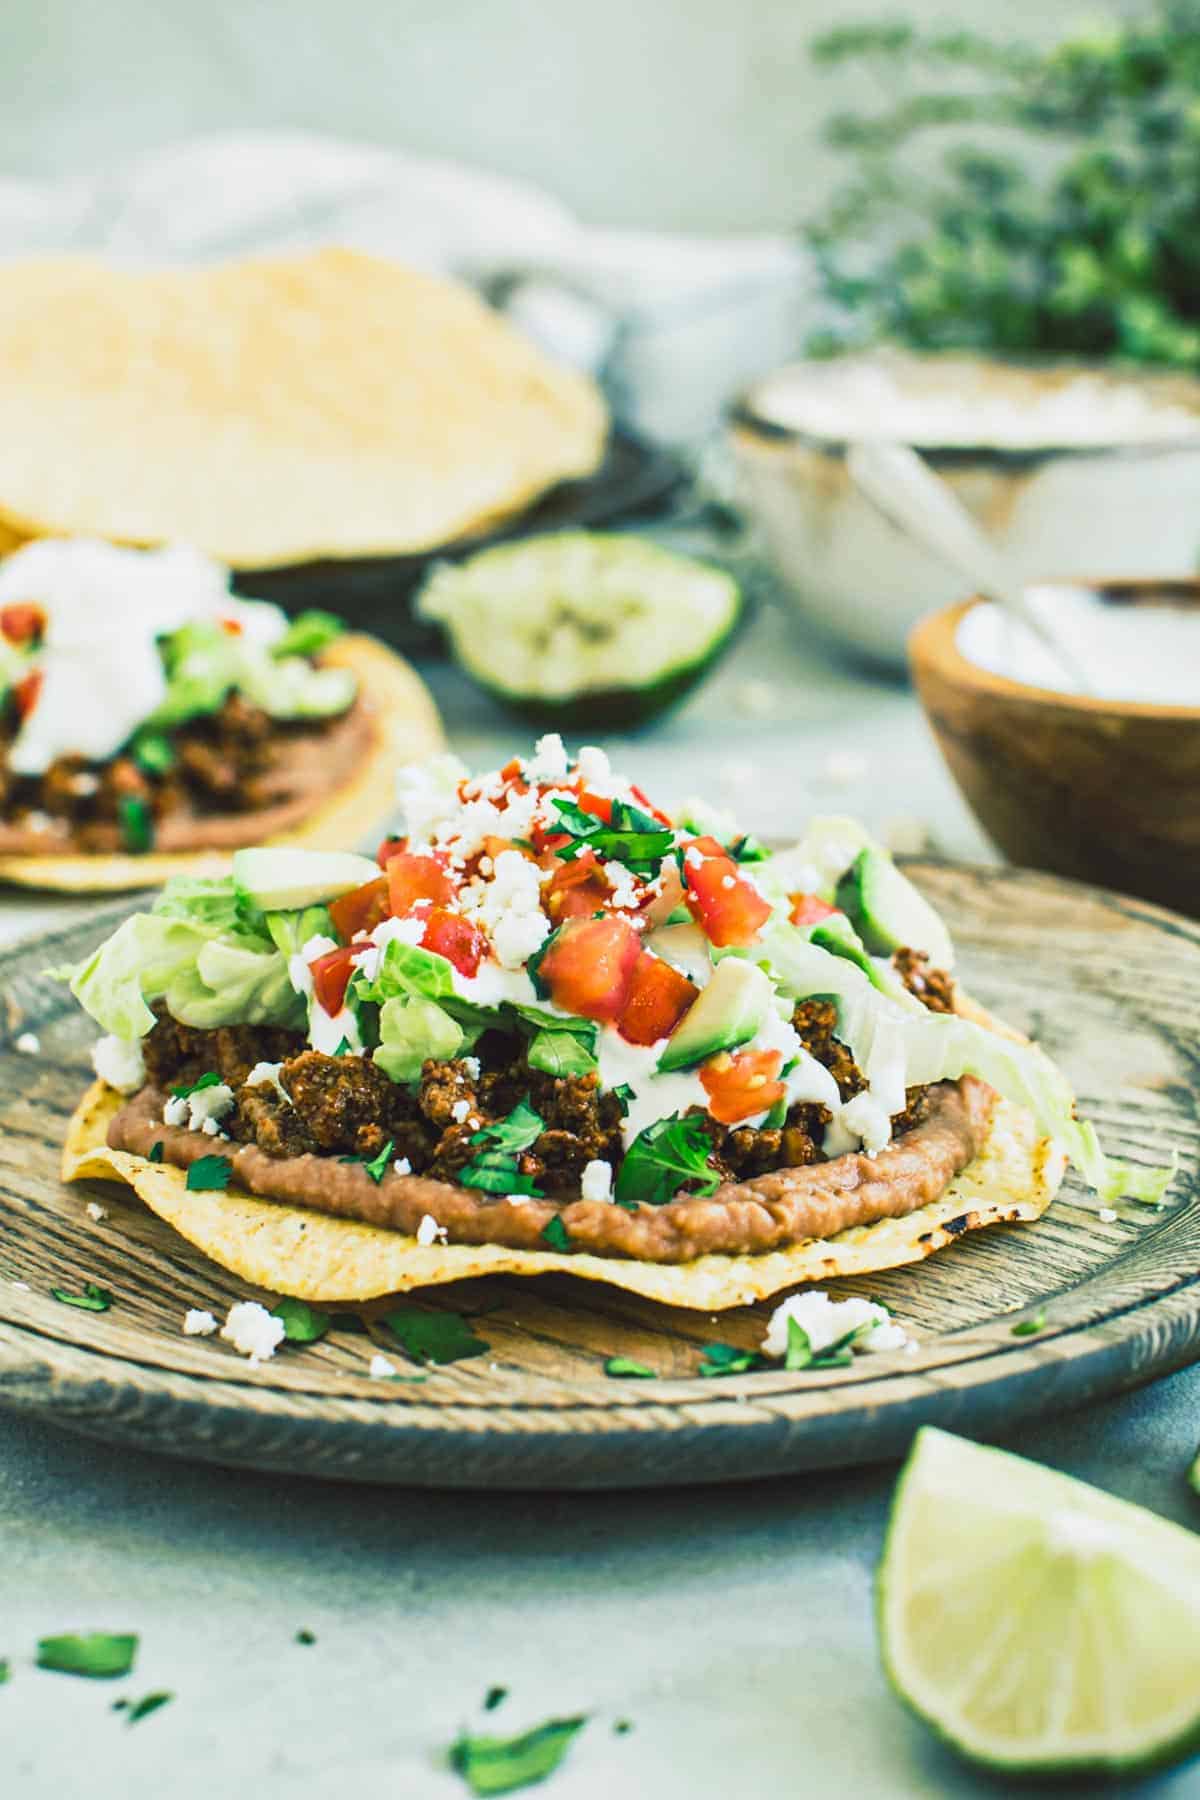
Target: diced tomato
331	976
577	889
511	770
649	806
391	846
589	966
448	934
415	878
658	999
740	1086
727	907
599	805
809	909
361	909
26	691
22	622
232	626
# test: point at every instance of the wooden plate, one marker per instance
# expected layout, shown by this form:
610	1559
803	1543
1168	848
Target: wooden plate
1112	988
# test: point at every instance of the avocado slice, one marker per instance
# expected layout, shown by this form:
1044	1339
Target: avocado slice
887	911
283	879
728	1012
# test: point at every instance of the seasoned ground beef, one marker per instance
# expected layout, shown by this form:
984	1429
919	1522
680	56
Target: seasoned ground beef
233	760
934	988
346	1106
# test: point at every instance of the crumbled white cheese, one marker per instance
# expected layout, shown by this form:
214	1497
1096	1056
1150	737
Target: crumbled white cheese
119	1063
207	1107
430	1232
517	1199
549	759
95	1212
427	793
1107	1213
28	1044
509	910
266	1074
299	973
594	766
380	1367
472	1067
870	1122
253	1331
596	1181
175	1112
624	884
824	1321
402	1166
460	1110
198	1324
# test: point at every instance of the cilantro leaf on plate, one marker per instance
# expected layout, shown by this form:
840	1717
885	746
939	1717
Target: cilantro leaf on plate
557	1235
519	1131
662	1157
302	1323
727	1359
98	1654
434	1337
92	1299
494	1765
149	1703
623	1368
210	1078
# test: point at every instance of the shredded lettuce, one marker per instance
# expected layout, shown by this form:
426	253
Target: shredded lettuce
204	664
561	1053
408	969
941	1047
308	634
233	983
411	1029
290	931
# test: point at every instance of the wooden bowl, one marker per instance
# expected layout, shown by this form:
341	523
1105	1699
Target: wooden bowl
1104	790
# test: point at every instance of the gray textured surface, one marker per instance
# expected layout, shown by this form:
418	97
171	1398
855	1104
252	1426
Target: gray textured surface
733	1627
675	113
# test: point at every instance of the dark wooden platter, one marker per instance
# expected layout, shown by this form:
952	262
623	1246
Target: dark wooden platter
1112	988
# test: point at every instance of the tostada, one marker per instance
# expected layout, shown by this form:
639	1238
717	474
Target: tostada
151	721
554	1027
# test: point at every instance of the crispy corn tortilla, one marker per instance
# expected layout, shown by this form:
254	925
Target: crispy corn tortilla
405	726
317	1258
276	410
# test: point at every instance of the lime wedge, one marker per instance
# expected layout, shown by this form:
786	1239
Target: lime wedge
1037	1624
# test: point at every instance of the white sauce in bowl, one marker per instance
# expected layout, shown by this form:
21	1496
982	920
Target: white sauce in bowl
1148	653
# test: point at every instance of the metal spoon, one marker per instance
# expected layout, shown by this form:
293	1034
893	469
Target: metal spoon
915	499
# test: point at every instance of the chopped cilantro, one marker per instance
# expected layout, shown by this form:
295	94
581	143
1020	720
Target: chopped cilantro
497	1173
302	1323
799	1347
5	1670
343	1047
305	1636
493	1765
727	1359
309	632
621	1726
379	1165
1030	1327
662	1157
557	1235
209	1172
153	752
137	824
747	849
632	836
210	1078
149	1703
837	1355
623	1095
494	1697
156	1151
560	1053
92	1299
434	1337
99	1654
623	1368
518	1131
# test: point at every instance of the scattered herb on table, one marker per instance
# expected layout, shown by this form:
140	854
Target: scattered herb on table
621	1726
156	1151
5	1670
837	1355
149	1703
623	1368
494	1697
136	824
302	1323
378	1166
209	1173
1030	1327
305	1636
661	1158
434	1337
92	1299
493	1765
101	1655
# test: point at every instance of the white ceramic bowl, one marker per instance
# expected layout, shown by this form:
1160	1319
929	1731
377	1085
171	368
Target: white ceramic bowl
1070	468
